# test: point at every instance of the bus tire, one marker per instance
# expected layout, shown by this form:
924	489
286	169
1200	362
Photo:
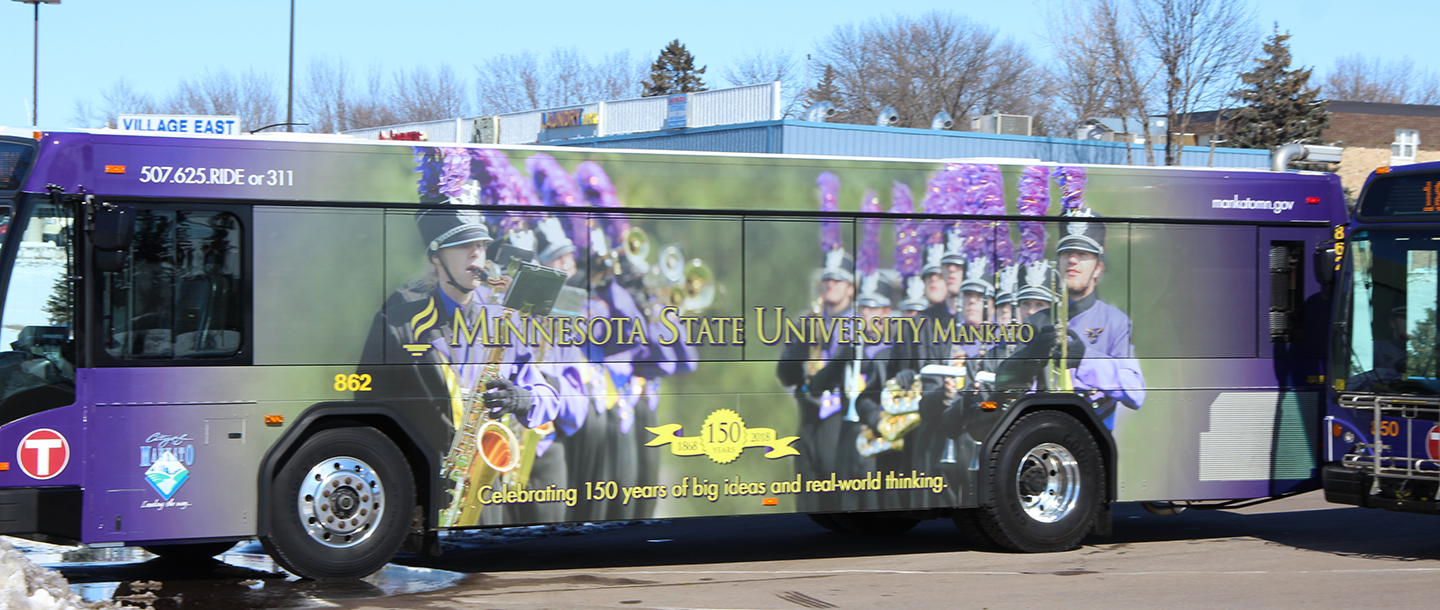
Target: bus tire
340	505
967	521
1046	485
876	524
189	552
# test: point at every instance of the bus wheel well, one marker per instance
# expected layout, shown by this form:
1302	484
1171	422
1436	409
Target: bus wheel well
1083	414
417	460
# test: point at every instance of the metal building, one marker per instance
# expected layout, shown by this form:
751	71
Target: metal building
811	138
748	120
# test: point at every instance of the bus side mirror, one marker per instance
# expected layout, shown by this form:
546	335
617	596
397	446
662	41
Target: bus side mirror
114	227
1327	258
112	231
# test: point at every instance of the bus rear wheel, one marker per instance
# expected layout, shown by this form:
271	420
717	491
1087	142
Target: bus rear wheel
1046	481
340	506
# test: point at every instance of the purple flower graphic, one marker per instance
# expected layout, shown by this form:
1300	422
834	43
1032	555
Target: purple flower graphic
867	259
1072	189
829	202
454	171
1034	201
427	164
909	245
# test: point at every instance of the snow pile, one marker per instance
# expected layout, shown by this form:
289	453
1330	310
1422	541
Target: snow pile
26	586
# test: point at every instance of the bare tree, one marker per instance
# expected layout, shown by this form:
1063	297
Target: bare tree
1199	47
1133	78
617	76
1084	79
518	82
768	66
331	101
1356	78
920	66
422	95
118	99
253	96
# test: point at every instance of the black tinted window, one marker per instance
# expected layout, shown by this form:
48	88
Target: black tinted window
179	296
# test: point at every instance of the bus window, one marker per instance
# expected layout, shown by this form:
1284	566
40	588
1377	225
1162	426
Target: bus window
1393	314
37	370
179	296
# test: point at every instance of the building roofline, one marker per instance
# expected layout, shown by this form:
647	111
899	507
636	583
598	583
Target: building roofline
875	129
1377	108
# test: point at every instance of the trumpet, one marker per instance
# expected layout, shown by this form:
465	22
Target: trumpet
688	286
699	287
1059	379
635	246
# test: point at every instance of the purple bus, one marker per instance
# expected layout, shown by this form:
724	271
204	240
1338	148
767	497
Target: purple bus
344	348
1382	441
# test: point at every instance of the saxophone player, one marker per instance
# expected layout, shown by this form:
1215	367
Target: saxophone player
425	364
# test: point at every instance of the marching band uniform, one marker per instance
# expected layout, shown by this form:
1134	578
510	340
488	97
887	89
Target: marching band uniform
437	368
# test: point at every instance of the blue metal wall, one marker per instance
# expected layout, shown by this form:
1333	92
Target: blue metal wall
806	138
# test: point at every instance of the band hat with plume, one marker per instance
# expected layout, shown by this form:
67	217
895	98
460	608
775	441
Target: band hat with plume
867	261
552	243
444	228
910	251
1081	235
1034	282
1008	280
1034	200
878	289
983	195
556	188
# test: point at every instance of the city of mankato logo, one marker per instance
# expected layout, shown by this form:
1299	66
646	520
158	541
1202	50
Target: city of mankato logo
165	458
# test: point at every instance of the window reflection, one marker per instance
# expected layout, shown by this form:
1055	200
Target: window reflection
179	295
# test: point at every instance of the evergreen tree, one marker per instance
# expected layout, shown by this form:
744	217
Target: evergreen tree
827	90
57	306
1280	106
674	71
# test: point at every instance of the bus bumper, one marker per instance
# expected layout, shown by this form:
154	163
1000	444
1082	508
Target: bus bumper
1353	486
49	511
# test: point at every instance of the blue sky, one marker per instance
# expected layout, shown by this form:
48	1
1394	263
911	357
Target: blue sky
87	45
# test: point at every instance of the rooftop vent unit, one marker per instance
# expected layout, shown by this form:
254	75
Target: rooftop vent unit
1005	124
820	111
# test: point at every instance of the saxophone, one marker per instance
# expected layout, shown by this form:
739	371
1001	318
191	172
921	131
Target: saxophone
477	435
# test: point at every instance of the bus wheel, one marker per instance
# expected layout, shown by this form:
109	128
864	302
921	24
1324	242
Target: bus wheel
340	506
1046	481
189	552
876	524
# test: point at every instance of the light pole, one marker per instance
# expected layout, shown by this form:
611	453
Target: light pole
290	89
35	101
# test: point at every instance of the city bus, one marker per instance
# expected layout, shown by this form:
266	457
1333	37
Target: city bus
1381	438
345	348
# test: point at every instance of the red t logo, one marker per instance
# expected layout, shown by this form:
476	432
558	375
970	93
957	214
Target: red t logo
43	453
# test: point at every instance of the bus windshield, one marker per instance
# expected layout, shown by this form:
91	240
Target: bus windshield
36	342
1392	303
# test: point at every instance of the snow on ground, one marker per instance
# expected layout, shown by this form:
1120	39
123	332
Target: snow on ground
26	586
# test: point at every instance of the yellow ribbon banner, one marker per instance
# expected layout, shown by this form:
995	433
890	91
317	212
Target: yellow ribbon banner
722	438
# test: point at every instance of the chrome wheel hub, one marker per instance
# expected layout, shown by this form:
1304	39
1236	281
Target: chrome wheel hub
340	501
1048	482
